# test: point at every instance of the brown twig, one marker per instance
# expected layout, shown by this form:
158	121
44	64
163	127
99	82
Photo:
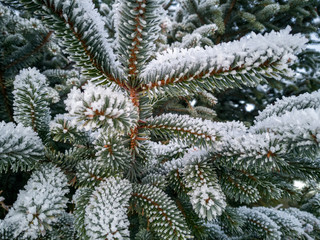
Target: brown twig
3	205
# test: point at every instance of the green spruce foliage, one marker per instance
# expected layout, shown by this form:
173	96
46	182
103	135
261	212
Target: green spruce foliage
125	154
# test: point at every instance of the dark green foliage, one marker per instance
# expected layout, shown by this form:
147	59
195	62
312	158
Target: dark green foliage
134	130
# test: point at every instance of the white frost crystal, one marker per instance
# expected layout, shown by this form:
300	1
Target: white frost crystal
40	204
106	212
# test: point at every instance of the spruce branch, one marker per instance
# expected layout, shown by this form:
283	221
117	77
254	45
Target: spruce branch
226	19
40	204
105	213
26	55
206	196
225	65
203	132
87	43
164	217
260	224
81	199
281	106
289	225
112	152
20	147
5	97
106	136
306	218
269	143
137	28
31	103
63	228
98	106
90	173
64	128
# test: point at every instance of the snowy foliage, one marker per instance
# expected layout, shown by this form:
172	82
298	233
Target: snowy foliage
31	106
139	172
199	130
101	107
245	55
66	128
278	224
205	193
20	147
111	152
308	221
40	204
268	228
193	155
105	214
162	213
141	27
281	106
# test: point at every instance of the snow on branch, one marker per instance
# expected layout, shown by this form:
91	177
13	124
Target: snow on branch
20	147
82	31
40	204
281	106
112	152
192	156
99	106
266	145
90	172
309	222
285	220
164	217
301	126
183	126
182	154
106	211
65	128
239	62
31	103
197	36
137	30
205	193
260	224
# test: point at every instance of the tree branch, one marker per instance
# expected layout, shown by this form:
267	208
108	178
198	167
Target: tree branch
44	41
5	97
226	19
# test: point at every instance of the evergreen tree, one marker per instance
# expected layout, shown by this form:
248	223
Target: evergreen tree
136	171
